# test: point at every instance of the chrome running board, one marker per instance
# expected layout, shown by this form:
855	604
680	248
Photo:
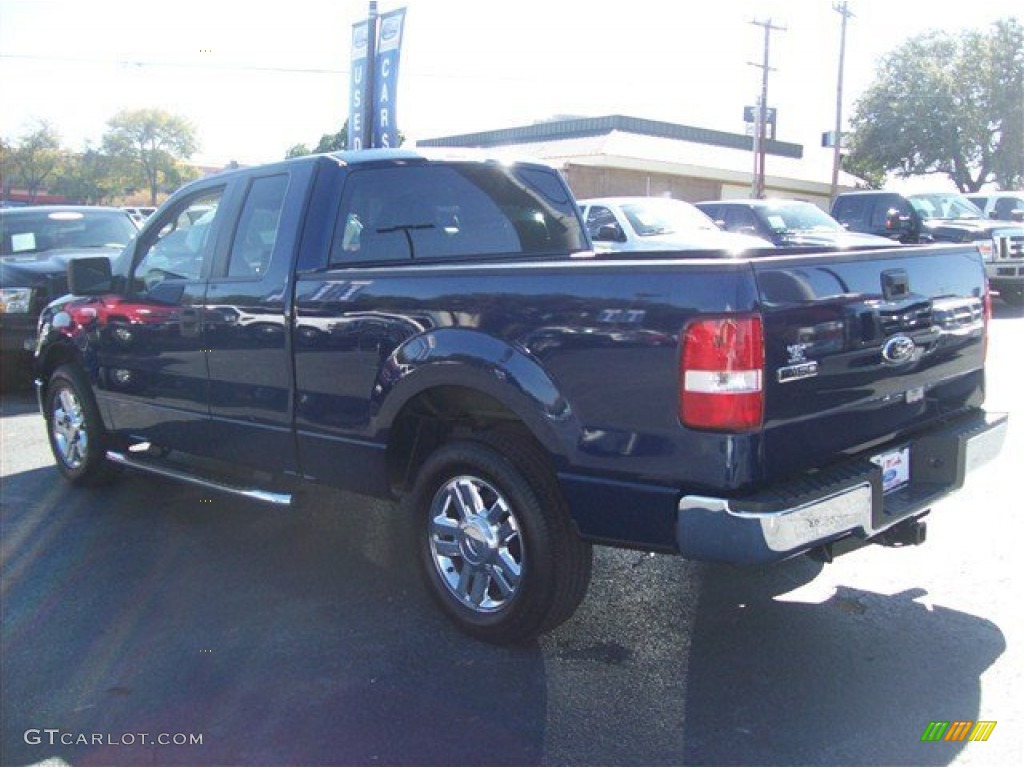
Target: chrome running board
256	494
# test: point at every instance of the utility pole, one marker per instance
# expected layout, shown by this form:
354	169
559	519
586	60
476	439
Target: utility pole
837	138
760	140
757	148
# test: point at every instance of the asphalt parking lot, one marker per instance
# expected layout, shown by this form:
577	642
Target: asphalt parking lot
145	614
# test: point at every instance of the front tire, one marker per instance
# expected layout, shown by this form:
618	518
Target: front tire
496	545
77	436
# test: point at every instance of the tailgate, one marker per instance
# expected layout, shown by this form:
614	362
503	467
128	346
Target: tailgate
862	349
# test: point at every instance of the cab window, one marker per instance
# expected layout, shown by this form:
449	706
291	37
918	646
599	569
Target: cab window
258	224
886	208
453	210
182	247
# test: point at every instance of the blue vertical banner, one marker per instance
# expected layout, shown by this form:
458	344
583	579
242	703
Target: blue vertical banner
359	96
385	80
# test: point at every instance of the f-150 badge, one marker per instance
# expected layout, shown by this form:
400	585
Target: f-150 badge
799	366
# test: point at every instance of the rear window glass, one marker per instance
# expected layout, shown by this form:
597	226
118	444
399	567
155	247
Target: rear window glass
454	210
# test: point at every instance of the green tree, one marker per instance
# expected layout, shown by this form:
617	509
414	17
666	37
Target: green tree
1008	74
297	150
34	159
945	103
329	142
6	169
93	178
333	142
155	142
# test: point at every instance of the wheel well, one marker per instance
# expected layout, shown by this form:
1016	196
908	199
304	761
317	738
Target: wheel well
56	356
434	417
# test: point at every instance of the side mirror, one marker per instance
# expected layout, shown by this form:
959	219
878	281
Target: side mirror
1017	214
610	233
894	222
90	276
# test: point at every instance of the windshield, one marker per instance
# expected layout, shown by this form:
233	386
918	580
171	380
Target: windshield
949	205
665	217
798	217
26	231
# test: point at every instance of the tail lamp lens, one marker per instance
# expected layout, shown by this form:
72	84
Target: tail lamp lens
721	374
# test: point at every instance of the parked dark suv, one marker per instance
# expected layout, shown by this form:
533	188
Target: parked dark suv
787	223
36	243
934	217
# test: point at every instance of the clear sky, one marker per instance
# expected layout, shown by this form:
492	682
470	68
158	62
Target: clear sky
256	78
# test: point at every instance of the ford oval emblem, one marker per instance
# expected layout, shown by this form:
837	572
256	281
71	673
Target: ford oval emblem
390	27
898	350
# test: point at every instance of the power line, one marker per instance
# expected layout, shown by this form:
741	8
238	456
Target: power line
206	65
176	64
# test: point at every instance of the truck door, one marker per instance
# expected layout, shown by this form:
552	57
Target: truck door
151	347
248	337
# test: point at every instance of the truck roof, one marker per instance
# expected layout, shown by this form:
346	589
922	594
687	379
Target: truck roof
395	156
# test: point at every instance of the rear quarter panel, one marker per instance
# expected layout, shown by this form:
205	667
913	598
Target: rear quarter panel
587	353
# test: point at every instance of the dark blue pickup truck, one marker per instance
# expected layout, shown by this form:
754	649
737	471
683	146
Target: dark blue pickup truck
439	330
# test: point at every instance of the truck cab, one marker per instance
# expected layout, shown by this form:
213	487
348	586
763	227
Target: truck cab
940	217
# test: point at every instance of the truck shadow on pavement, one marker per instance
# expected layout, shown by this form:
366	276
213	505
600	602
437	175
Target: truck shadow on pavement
304	637
854	680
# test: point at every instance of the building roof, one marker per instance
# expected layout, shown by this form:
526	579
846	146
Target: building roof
618	141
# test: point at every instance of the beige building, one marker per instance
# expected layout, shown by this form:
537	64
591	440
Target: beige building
619	155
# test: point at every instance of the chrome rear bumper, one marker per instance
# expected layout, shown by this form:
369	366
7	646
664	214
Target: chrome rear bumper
842	501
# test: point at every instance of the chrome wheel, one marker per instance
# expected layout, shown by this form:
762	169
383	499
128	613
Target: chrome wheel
74	428
70	436
494	538
475	544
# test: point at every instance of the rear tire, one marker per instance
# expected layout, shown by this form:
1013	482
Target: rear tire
78	439
498	550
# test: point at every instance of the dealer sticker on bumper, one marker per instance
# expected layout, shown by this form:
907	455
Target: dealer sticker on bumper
895	468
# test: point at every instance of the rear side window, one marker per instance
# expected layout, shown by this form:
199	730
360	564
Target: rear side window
257	226
453	210
885	207
1005	206
852	211
739	219
600	216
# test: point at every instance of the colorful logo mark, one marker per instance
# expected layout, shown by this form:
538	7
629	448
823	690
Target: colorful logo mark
958	730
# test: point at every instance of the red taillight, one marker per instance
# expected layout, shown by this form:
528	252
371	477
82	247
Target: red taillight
721	374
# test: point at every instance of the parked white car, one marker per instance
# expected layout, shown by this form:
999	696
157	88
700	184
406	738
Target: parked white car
658	224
